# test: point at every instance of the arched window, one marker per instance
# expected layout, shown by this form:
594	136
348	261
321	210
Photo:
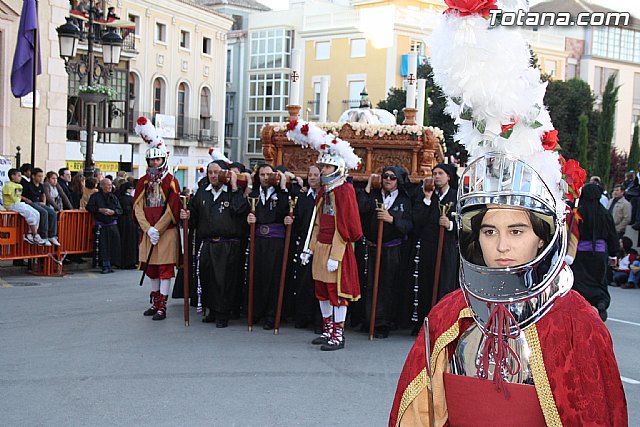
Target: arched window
182	106
158	96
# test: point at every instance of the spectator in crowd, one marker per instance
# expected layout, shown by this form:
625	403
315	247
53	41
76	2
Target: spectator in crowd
64	179
634	276
25	170
630	186
121	178
54	194
604	199
626	256
104	205
109	177
128	229
12	200
34	193
89	188
620	209
598	239
77	190
99	175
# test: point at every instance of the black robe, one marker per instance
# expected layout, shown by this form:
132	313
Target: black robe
427	232
129	234
392	261
107	234
306	307
220	228
268	255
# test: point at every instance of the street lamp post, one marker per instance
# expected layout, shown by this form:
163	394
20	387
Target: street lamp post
68	35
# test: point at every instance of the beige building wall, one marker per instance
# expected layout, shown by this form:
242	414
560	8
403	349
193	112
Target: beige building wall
15	117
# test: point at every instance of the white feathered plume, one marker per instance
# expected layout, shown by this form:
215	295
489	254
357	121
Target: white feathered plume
216	155
307	134
493	93
148	132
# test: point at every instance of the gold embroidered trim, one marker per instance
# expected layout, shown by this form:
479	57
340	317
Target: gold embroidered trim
422	379
540	379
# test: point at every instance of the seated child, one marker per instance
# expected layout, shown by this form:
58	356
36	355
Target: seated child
12	200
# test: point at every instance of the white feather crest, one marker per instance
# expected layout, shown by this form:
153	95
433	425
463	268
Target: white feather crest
216	155
148	132
486	76
319	140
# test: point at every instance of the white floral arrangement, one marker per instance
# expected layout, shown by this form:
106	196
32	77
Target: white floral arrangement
99	89
371	131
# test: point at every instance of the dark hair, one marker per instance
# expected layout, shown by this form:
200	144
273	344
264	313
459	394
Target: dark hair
620	186
109	177
627	244
90	183
470	242
12	172
36	171
256	176
61	171
51	173
26	167
77	183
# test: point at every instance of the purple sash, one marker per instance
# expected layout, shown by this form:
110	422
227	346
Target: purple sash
270	231
587	246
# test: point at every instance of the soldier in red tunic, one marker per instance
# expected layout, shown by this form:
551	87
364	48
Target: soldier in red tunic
516	346
157	210
336	225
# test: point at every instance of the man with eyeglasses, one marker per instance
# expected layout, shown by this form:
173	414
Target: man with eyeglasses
392	205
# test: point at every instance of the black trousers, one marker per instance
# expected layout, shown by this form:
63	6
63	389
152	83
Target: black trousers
218	276
266	277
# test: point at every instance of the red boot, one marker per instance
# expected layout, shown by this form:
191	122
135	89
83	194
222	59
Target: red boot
327	331
162	308
336	342
154	299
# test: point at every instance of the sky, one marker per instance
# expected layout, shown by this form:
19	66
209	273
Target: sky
632	6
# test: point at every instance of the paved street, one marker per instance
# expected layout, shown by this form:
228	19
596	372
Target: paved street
77	351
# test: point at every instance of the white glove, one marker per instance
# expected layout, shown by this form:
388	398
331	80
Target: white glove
305	256
154	235
332	265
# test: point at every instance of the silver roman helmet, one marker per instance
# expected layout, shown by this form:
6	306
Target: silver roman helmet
339	174
500	180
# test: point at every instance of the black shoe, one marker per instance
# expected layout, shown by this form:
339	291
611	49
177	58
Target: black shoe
150	311
20	263
210	318
321	340
332	346
222	323
106	271
268	325
381	333
160	315
602	311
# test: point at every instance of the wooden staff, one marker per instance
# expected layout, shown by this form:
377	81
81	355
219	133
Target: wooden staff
252	238
444	210
376	274
185	263
283	270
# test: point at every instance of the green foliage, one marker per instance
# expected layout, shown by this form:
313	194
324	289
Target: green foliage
567	101
583	140
98	88
634	152
606	128
396	100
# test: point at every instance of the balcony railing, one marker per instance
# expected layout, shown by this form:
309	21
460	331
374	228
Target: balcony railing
202	130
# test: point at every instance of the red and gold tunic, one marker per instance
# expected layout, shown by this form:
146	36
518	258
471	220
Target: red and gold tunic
149	210
576	376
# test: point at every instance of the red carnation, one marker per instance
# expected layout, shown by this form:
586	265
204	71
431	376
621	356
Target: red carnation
575	177
210	150
323	146
507	127
292	125
550	140
305	129
142	120
334	141
471	7
507	130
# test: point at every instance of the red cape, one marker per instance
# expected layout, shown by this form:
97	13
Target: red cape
348	224
168	183
578	356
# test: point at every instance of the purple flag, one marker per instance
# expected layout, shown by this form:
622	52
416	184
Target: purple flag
22	69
